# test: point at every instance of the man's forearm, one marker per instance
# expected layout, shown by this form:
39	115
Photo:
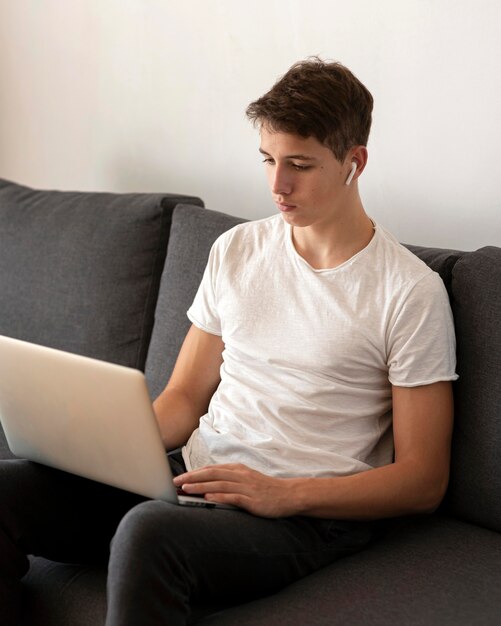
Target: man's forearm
389	491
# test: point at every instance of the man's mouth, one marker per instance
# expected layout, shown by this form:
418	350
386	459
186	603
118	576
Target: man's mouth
285	207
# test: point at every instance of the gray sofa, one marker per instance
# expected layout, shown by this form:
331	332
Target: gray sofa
111	276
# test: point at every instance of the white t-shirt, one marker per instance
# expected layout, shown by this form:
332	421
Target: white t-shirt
310	355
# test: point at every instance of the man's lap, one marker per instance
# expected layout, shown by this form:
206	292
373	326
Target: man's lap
253	555
64	517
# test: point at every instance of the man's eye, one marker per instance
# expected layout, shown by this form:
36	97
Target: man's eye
268	161
297	166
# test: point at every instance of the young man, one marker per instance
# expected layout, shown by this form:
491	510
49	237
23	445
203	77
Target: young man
329	329
312	391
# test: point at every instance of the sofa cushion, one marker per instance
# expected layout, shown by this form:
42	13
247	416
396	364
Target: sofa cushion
428	571
80	271
60	594
193	231
475	486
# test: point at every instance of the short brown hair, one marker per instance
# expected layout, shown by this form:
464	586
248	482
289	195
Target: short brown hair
318	99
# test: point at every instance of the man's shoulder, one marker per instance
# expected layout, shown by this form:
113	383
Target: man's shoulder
397	260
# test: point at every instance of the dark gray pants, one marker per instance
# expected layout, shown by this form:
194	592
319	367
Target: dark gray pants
163	557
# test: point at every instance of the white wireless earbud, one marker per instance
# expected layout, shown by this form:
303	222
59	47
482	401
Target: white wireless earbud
352	173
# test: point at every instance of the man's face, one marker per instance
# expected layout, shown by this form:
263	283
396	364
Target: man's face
305	178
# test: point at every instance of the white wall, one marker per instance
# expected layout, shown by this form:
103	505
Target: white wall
149	95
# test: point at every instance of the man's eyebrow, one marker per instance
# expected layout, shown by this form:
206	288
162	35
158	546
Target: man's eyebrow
299	157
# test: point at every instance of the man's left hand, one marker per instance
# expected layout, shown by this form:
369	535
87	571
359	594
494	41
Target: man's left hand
240	486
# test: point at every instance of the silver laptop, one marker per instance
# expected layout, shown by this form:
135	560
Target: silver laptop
84	416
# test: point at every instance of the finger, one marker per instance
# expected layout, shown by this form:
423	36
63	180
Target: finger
226	487
235	499
212	473
249	504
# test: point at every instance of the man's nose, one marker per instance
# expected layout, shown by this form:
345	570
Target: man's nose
281	182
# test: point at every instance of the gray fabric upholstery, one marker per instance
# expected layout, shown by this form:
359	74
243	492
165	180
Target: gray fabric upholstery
193	231
475	487
55	591
426	572
80	271
5	452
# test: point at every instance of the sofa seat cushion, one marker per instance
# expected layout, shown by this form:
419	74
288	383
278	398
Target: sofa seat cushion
427	571
59	594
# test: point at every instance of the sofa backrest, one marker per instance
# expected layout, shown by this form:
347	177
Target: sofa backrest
473	280
475	485
80	271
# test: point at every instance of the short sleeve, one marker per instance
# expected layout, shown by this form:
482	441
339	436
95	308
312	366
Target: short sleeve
203	312
421	344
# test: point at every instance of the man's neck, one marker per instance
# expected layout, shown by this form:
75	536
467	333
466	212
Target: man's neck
326	246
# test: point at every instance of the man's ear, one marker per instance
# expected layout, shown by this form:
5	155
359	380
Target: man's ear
358	155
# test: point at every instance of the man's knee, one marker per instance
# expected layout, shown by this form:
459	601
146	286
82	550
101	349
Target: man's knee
145	528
